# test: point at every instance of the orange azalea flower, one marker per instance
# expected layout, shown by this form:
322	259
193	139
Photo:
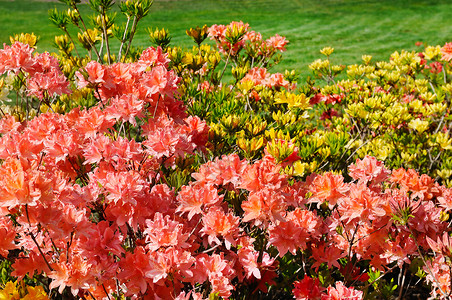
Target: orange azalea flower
264	206
170	262
361	203
263	173
194	197
93	121
125	108
438	275
8	123
50	83
21	183
446	52
341	292
153	57
300	227
326	253
61	145
133	269
217	223
445	198
95	75
7	237
123	187
277	42
442	245
30	265
400	249
164	232
329	188
307	289
368	170
15	57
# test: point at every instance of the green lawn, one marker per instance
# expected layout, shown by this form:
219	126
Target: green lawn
353	28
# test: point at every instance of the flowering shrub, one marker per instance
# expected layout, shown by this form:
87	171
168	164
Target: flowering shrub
149	176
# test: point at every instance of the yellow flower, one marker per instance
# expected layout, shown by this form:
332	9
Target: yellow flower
35	293
10	291
319	64
418	125
327	51
366	59
25	38
293	100
432	51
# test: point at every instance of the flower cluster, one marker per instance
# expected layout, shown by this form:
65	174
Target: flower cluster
151	177
44	78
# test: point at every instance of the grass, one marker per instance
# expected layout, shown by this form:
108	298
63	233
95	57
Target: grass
353	28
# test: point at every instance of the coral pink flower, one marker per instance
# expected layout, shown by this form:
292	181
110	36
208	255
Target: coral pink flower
307	289
369	170
277	42
218	271
95	149
7	237
257	75
31	265
427	220
75	273
22	184
164	232
217	31
253	36
341	292
155	81
167	138
277	80
326	253
400	249
435	67
422	186
170	262
361	203
206	87
153	57
264	206
93	121
133	269
95	75
329	188
249	259
197	130
125	187
263	173
102	241
16	57
300	227
62	144
445	199
45	63
217	223
222	172
194	197
442	245
8	123
438	275
220	34
446	52
125	108
48	84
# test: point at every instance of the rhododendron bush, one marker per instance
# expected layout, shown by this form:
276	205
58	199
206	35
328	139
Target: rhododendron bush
153	175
